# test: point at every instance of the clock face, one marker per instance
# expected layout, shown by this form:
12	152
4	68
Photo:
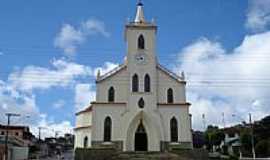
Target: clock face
141	58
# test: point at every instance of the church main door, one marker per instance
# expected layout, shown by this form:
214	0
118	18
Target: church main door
141	138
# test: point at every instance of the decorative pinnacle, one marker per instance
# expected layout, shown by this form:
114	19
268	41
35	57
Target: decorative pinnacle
98	74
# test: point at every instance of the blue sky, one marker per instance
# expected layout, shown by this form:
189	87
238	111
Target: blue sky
43	39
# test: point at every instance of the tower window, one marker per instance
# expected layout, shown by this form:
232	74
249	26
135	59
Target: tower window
174	130
135	83
147	83
170	96
85	142
141	42
111	95
141	103
107	129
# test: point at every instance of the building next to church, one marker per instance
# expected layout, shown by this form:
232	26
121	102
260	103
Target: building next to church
140	105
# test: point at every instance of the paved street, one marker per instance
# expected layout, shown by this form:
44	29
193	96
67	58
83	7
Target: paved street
65	156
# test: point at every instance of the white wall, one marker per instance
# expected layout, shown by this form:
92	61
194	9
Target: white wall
84	119
80	134
164	83
83	128
120	84
100	113
183	119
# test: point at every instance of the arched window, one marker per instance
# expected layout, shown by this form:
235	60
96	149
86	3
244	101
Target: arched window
141	44
85	142
135	83
147	83
174	130
107	129
111	95
170	96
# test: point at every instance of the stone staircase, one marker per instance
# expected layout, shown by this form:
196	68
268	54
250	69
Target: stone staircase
147	156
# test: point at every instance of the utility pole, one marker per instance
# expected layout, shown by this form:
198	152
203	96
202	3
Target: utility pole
252	137
9	115
39	132
223	119
204	122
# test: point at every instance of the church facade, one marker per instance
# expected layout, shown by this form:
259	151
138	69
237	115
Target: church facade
140	105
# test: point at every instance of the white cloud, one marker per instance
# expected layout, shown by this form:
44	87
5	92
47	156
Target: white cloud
71	37
234	83
59	104
93	26
14	101
17	94
258	16
63	74
68	39
84	94
50	127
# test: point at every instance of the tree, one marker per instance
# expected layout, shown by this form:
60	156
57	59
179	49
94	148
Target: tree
262	128
245	139
198	139
213	136
263	148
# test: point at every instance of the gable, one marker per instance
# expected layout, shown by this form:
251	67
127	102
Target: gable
171	74
111	73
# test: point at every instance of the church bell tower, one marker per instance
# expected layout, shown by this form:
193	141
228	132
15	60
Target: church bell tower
140	36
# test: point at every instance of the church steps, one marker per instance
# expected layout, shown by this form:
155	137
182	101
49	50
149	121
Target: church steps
146	156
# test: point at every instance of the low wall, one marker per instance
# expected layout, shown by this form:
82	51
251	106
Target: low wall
19	153
194	154
118	145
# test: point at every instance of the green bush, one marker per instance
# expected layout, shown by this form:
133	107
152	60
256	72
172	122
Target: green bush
262	148
233	157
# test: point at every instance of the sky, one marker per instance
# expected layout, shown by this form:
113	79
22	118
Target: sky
50	52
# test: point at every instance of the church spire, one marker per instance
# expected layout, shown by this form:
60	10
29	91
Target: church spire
139	15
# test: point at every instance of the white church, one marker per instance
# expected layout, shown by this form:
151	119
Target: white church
140	105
